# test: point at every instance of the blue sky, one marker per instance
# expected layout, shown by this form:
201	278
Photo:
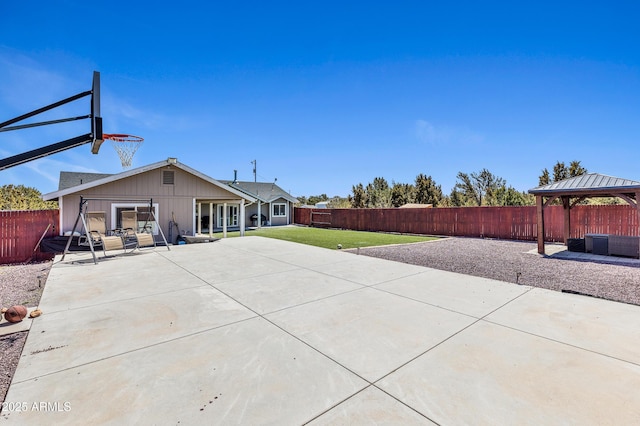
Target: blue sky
325	95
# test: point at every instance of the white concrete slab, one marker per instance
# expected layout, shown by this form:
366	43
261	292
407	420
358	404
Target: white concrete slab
216	263
261	245
71	338
368	270
461	293
201	254
371	407
71	286
272	292
598	325
490	374
246	373
307	256
369	331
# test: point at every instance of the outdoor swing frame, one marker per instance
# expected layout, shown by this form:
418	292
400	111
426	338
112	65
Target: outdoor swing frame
82	211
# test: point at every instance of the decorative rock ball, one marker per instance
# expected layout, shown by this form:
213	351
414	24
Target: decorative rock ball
339	246
15	313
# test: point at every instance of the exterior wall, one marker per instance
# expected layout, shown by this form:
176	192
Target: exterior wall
216	216
173	200
253	209
280	220
267	211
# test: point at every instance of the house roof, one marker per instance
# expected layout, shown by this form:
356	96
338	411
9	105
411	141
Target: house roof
266	192
588	184
70	179
415	206
128	173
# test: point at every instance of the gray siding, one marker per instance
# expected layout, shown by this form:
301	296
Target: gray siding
177	198
268	208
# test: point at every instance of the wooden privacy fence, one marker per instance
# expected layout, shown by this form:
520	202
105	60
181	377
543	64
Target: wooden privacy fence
20	232
509	223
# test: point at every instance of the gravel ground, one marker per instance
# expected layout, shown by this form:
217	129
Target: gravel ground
19	285
509	261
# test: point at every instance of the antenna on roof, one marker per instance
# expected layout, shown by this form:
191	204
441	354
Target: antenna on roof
255	171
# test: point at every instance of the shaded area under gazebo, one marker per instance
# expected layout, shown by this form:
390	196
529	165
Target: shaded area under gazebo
574	190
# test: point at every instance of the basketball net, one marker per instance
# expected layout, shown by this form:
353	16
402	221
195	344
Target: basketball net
126	146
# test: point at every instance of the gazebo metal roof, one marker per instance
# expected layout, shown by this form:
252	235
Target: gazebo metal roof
588	184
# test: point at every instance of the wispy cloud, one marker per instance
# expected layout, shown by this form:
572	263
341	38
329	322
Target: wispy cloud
120	113
429	133
27	84
124	114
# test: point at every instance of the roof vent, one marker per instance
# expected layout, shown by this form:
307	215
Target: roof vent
172	160
168	177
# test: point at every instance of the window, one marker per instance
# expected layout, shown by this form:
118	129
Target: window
168	177
144	217
279	210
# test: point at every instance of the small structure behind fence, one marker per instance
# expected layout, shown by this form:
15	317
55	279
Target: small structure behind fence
21	232
509	223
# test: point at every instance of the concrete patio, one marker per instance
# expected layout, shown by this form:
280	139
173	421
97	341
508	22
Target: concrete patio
261	331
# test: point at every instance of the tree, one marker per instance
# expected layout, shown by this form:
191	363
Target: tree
544	178
465	188
359	199
562	172
378	193
401	194
23	198
337	202
314	199
456	199
426	191
479	187
575	169
511	197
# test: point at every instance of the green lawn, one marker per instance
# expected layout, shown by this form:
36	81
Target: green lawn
330	238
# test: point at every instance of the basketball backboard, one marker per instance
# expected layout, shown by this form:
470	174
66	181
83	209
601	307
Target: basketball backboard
96	118
95	137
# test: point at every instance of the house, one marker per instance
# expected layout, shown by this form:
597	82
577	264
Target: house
179	196
275	204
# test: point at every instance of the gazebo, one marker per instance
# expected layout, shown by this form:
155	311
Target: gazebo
573	190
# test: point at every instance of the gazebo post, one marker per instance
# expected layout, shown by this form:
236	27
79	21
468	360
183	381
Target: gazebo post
566	207
540	220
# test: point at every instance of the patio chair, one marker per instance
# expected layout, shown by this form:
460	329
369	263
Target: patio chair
97	229
129	220
130	231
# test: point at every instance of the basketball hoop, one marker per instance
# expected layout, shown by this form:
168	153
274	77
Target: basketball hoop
126	146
